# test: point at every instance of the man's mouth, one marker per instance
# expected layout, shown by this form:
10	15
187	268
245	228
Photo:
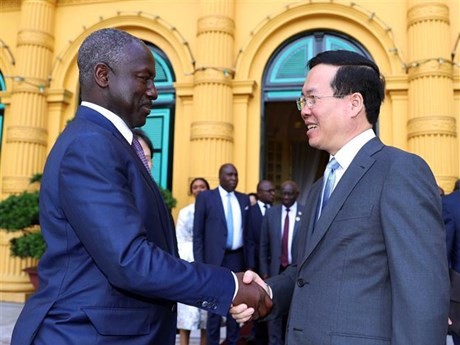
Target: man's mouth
311	126
147	107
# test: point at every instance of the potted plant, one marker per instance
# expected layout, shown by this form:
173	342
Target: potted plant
19	213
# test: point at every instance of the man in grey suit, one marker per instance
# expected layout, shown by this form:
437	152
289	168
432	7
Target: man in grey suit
278	245
372	266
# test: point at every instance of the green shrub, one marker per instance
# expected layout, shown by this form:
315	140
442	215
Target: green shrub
31	245
169	200
19	211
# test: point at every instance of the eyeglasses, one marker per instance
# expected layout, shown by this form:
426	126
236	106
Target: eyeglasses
310	100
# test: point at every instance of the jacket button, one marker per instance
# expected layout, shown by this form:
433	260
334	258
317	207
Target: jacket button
174	307
300	282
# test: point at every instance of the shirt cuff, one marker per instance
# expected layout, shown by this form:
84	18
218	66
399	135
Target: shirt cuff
236	285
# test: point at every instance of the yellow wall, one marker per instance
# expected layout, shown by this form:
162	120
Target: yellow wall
259	27
218	117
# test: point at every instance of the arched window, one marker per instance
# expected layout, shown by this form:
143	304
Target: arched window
160	123
287	68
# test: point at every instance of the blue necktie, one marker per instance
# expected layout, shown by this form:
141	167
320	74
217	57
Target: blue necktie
329	180
229	218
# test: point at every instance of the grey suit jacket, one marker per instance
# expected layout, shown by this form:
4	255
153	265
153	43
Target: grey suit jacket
372	270
270	240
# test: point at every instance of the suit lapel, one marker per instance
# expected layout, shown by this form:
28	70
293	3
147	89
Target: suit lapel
162	211
357	169
217	200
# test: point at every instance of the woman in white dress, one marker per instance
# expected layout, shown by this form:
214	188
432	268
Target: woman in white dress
188	317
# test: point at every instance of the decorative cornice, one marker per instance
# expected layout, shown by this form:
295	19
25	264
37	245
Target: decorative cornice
211	130
216	24
81	2
24	134
10	5
427	12
431	125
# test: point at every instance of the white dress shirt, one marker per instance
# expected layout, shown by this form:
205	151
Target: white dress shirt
348	152
263	207
292	214
237	217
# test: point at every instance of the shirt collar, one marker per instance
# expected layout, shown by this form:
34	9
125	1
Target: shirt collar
116	120
262	204
223	192
293	207
348	152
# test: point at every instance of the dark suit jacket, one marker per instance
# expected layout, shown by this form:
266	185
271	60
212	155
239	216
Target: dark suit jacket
372	270
270	240
252	230
210	226
110	274
451	215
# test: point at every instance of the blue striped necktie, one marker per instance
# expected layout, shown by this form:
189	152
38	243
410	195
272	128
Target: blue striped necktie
329	180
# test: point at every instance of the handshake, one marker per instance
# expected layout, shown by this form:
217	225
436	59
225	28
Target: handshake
253	295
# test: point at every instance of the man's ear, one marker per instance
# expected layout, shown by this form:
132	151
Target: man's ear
357	103
101	74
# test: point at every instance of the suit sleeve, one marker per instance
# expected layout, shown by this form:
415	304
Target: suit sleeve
282	286
450	229
415	244
264	249
199	228
98	201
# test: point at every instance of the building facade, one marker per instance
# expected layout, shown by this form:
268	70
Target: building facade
228	74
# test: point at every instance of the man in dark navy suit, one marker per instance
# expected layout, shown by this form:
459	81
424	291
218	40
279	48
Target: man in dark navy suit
220	215
451	215
265	198
111	273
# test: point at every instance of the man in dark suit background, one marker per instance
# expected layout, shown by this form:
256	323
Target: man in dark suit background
265	198
372	265
220	215
278	245
111	273
451	215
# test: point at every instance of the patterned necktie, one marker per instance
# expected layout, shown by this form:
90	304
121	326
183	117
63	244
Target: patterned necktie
329	180
140	153
284	242
229	219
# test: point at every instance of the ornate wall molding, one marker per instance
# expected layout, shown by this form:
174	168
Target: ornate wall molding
211	130
428	12
26	134
431	125
216	24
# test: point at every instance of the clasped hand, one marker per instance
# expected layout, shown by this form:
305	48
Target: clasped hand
252	300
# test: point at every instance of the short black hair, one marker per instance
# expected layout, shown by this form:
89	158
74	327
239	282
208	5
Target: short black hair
356	73
103	46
